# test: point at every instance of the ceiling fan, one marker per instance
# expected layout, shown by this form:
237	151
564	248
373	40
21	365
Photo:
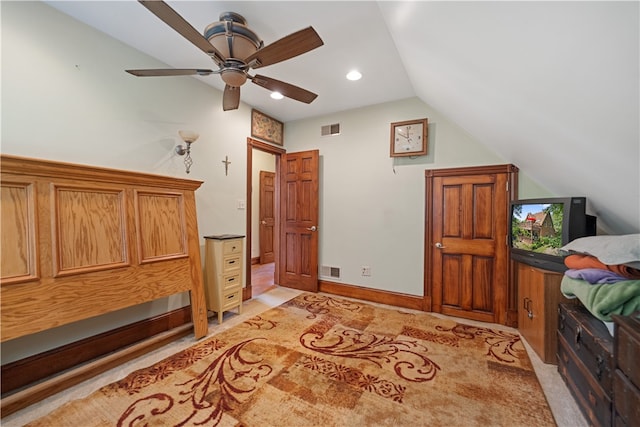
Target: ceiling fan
235	49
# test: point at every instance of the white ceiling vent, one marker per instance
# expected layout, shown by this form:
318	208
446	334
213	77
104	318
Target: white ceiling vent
330	272
330	130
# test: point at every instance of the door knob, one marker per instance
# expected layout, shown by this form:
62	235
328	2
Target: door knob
263	222
439	245
312	228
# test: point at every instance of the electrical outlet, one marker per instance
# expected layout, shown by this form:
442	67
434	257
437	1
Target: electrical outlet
366	270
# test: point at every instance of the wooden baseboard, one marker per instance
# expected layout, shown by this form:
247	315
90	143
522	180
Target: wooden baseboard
255	260
247	293
373	295
40	391
26	371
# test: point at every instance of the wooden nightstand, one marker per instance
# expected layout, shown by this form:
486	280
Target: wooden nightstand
223	273
539	296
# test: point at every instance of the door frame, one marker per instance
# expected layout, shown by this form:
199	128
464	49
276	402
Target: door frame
277	151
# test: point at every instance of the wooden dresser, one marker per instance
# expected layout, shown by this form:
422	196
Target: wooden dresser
626	379
223	273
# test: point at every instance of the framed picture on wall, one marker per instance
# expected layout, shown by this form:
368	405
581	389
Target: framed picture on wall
267	128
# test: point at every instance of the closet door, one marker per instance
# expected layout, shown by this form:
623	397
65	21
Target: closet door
467	258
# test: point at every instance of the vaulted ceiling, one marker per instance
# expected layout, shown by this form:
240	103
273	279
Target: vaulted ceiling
552	87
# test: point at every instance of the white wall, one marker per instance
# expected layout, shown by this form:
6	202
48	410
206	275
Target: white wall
66	97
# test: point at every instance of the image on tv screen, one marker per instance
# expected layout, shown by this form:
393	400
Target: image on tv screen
537	227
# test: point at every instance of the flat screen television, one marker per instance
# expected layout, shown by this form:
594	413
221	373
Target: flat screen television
540	227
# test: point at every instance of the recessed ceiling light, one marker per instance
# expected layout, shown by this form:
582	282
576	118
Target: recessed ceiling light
354	75
276	95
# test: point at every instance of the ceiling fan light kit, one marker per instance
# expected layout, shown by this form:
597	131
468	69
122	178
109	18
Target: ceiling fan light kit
235	49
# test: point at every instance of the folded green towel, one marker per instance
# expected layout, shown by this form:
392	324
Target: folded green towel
603	300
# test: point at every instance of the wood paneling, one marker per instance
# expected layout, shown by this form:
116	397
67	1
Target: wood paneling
89	229
80	242
18	230
161	226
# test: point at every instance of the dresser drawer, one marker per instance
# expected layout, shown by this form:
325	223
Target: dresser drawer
627	346
590	341
592	400
231	263
627	399
232	247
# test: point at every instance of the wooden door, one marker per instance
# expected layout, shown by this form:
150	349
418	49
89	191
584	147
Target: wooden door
299	220
267	216
467	256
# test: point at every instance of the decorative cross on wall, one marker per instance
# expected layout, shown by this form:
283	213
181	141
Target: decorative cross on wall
226	164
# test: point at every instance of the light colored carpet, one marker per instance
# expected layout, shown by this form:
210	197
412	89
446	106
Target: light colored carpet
561	403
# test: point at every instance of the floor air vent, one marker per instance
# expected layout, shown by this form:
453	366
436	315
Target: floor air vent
330	272
330	130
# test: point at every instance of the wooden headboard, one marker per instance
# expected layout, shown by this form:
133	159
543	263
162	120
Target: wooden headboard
80	241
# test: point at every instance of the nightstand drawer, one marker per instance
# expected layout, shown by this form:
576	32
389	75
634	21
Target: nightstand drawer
230	281
231	263
231	299
232	247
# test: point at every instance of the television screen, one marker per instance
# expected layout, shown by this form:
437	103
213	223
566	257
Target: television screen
541	227
537	227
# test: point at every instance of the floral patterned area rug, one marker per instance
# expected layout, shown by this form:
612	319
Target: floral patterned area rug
319	360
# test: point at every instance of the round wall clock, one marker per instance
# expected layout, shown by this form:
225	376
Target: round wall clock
409	138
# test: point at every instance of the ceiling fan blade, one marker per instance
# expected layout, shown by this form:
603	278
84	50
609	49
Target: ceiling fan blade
288	90
170	72
287	47
230	98
178	23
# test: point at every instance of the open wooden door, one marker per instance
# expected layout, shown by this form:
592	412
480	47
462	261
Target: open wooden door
466	251
267	216
299	220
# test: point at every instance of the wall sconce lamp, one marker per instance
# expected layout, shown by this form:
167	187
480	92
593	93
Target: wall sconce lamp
189	137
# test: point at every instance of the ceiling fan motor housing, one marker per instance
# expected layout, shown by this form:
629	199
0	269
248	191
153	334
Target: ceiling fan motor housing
232	37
